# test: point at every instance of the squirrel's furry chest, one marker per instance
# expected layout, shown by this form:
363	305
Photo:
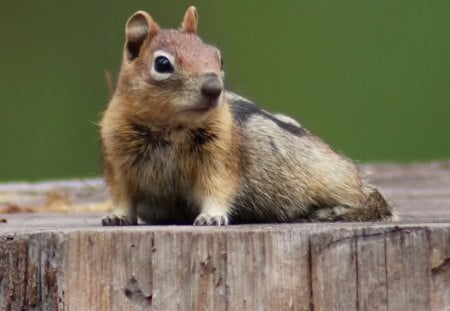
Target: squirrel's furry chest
163	161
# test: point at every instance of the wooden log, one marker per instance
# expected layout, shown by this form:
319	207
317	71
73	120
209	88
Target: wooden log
260	267
67	261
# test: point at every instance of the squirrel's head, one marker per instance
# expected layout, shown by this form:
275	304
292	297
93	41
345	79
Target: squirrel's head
170	75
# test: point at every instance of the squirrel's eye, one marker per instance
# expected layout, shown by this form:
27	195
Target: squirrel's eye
163	65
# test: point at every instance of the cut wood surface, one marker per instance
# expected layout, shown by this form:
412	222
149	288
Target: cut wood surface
67	261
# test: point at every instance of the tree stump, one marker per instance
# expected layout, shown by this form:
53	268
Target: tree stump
67	261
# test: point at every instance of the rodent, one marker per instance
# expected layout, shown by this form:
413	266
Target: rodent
180	149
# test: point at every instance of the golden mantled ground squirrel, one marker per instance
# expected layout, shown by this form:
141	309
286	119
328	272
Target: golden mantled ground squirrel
179	149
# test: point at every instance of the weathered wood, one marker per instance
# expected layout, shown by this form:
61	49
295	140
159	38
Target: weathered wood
68	196
30	271
66	261
420	192
333	270
264	267
440	269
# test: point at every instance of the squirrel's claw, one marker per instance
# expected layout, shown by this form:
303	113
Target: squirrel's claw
207	220
114	220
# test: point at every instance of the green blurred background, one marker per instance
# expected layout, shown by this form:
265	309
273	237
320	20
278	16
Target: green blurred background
370	77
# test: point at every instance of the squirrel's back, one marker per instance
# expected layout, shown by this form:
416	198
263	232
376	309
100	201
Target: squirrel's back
286	166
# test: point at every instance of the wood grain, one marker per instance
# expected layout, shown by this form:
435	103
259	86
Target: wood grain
264	267
63	261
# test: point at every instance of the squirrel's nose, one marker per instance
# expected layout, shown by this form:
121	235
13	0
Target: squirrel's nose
211	86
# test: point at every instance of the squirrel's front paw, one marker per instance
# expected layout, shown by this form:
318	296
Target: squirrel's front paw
208	220
114	220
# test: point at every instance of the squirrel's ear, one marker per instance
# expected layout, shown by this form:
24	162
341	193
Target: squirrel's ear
140	27
190	20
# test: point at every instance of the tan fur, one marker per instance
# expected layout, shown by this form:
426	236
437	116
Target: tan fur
178	149
190	20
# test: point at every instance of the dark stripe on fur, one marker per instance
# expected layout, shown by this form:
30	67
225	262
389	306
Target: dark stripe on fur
243	110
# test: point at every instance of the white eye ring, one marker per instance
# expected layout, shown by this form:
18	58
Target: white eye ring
160	76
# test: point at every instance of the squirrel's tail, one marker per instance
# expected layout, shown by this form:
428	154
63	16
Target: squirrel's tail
374	208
